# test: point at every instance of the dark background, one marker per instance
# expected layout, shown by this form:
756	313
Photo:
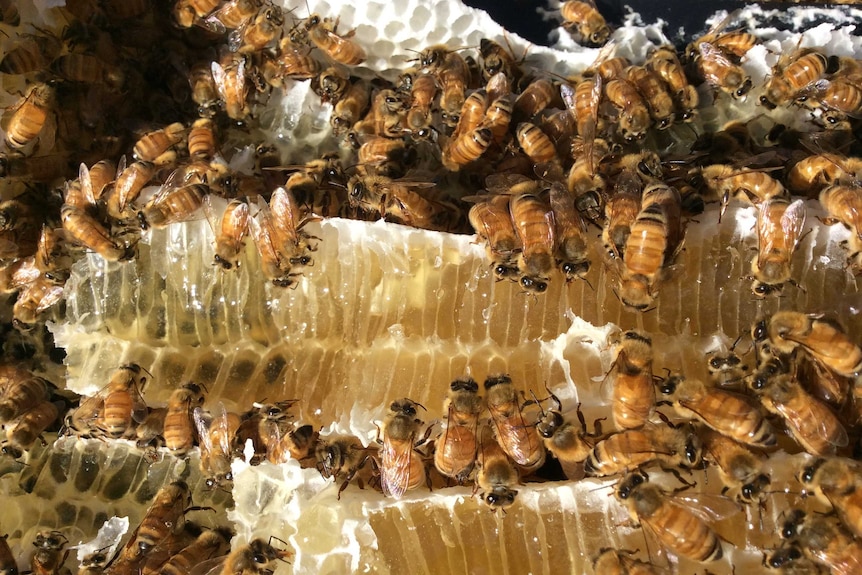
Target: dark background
520	16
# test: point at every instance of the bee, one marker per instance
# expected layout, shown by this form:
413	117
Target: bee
633	448
823	541
813	173
720	72
341	458
495	60
90	233
779	228
837	98
204	92
401	466
621	211
498	117
291	61
809	421
156	146
655	238
793	73
570	233
202	140
724	411
216	434
836	482
233	15
422	94
823	338
29	116
582	19
466	148
677	526
751	186
163	518
287	223
472	114
455	449
173	203
253	558
349	109
631	376
119	405
39	296
232	228
569	444
211	543
9	12
726	369
230	77
23	431
331	84
31	53
537	96
655	95
188	12
534	224
49	556
583	101
496	476
620	562
276	267
535	143
179	431
256	33
385	116
453	77
385	156
664	62
20	393
843	204
492	222
634	117
282	446
322	32
130	181
148	432
88	69
519	440
740	470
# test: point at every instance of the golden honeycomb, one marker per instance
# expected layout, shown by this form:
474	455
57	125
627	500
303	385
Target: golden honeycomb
389	311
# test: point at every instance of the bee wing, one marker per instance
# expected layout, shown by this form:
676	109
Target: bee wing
792	221
818	415
709	507
90	407
503	183
713	53
140	411
395	466
49	298
220	77
222	424
285	216
211	213
86	184
214	566
212	23
511	432
202	421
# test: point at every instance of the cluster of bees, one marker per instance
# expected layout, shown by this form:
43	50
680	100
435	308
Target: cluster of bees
805	382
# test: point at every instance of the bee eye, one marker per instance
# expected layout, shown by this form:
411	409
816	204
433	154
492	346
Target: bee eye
259	558
356	191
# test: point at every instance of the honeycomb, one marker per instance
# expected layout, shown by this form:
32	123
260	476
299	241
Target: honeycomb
389	311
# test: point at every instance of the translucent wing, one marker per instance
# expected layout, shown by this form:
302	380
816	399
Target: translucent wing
202	421
396	461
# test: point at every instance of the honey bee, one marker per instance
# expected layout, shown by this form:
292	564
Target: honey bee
341	458
534	224
569	444
385	116
23	432
495	60
633	394
385	156
813	173
16	213
179	431
779	228
665	63
276	267
232	228
232	15
633	448
620	562
88	69
36	298
331	84
163	518
422	94
570	232
253	558
792	74
836	482
287	223
582	19
657	98
211	543
128	185
740	470
652	244
621	211
726	369
453	77
497	477
349	109
751	186
537	96
119	404
187	12
535	143
401	466
216	434
809	421
173	203
472	114
466	148
720	72
229	76
256	33
156	146
204	92
148	432
724	411
455	449
97	178
20	393
823	338
498	117
30	116
838	98
291	61
89	232
202	140
49	556
843	204
323	33
492	222
31	53
284	442
634	117
677	526
9	12
823	541
519	440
